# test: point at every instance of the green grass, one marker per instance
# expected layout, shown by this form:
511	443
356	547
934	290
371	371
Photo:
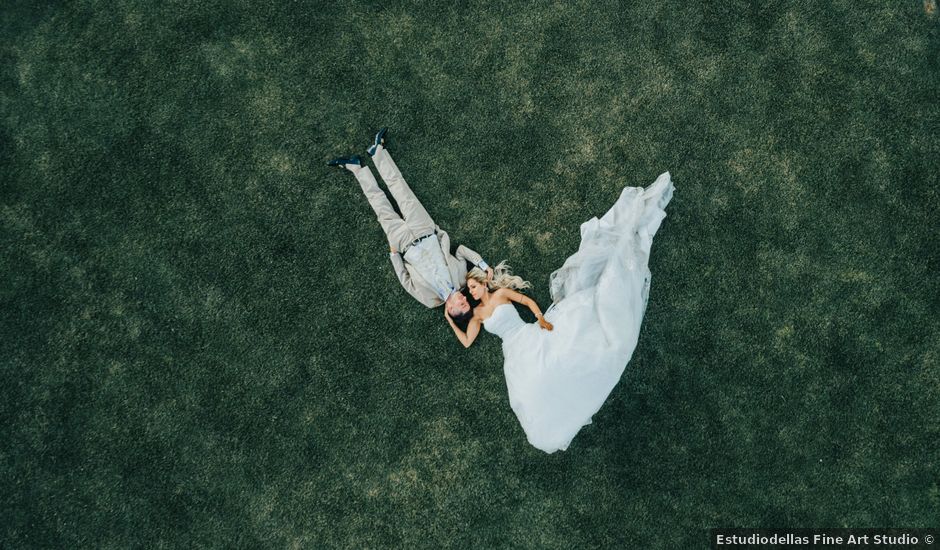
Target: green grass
202	342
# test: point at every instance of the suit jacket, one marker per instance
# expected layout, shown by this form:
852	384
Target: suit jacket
456	266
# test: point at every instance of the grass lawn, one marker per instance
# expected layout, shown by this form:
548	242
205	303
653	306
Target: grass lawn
203	343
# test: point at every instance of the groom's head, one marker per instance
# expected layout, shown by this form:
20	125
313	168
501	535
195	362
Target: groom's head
460	307
457	304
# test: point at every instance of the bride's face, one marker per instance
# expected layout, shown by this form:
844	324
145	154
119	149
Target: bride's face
476	289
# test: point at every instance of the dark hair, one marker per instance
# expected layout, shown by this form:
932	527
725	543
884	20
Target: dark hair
462	320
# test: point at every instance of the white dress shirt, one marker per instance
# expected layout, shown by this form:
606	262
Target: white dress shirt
428	260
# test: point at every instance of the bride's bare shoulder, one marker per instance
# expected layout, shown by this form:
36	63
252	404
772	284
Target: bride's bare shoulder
506	295
501	294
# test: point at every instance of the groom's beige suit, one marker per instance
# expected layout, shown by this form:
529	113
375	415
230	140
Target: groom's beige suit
421	250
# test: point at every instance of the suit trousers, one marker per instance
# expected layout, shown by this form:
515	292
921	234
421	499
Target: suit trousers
414	222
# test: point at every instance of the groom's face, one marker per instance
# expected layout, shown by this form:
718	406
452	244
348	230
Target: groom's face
457	303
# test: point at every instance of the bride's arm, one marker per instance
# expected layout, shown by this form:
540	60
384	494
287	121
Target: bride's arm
529	303
466	338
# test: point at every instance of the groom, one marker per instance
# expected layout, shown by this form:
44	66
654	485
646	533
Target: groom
420	250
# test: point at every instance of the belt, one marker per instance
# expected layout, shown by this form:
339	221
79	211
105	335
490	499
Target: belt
416	241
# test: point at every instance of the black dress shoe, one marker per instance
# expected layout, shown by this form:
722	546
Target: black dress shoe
379	140
341	162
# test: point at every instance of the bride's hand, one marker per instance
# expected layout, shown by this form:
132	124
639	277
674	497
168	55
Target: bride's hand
545	324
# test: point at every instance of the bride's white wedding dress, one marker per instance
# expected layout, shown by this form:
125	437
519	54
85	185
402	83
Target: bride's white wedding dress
558	379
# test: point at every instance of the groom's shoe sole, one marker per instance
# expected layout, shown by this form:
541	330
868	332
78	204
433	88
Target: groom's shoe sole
341	162
379	140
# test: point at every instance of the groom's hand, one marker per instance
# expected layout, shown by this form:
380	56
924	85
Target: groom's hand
393	250
489	273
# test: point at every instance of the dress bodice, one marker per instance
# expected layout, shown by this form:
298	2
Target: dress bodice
503	321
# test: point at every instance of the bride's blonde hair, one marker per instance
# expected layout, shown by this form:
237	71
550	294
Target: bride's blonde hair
502	278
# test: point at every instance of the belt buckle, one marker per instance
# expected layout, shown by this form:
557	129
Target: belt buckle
419	239
414	242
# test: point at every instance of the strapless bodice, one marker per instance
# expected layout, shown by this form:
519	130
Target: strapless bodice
503	321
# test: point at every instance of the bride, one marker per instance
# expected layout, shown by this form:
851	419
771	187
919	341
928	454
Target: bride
560	370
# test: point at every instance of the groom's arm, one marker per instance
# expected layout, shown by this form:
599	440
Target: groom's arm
467	255
406	281
463	253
